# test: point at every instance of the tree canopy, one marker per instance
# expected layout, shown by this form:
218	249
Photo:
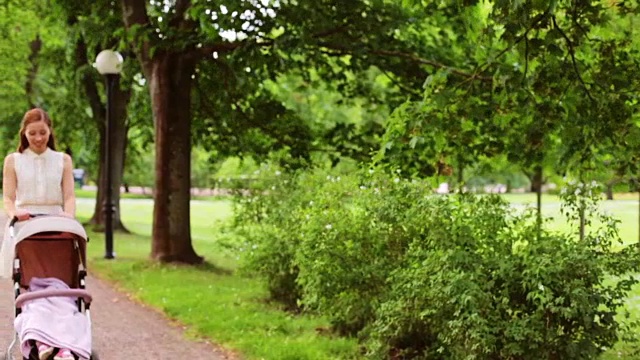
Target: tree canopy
549	87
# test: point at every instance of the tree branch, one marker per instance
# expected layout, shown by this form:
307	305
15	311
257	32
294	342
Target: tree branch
181	8
89	83
134	13
574	19
411	57
535	22
222	47
399	85
573	57
526	58
415	58
329	32
87	80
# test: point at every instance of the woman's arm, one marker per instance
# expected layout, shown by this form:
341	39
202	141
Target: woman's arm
68	190
9	183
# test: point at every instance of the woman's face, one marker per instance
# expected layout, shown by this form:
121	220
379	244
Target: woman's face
37	134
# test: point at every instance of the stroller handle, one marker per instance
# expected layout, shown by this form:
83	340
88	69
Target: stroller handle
85	295
15	219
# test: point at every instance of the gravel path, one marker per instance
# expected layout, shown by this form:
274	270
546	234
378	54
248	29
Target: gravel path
122	328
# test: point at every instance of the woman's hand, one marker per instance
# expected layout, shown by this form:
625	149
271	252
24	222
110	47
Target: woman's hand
67	215
22	215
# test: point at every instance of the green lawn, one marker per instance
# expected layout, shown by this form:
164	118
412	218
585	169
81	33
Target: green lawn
624	208
212	300
219	304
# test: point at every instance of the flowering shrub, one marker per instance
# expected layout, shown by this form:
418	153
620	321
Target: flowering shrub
355	235
419	275
481	283
269	215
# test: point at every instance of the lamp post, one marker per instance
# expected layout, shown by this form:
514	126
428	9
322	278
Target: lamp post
109	64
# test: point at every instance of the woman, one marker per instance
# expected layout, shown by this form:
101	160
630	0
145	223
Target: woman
37	179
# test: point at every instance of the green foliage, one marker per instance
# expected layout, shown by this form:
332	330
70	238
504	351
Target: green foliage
342	126
498	287
308	78
580	201
139	169
418	275
265	213
354	234
552	85
492	171
234	167
20	24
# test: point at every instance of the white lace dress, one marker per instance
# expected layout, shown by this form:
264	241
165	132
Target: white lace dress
38	190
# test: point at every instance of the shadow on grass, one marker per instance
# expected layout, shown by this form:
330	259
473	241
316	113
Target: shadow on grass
207	266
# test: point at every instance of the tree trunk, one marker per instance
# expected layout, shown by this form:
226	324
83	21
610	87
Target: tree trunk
637	184
170	86
536	181
610	184
536	184
460	175
35	46
609	191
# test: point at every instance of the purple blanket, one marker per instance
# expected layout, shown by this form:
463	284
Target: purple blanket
55	321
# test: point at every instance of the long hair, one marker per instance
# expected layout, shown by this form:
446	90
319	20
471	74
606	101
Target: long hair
30	117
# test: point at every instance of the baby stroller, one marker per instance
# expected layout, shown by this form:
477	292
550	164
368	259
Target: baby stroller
49	247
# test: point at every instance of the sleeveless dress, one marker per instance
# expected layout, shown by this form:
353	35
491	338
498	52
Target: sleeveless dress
38	190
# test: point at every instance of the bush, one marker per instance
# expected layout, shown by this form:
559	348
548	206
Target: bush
353	239
499	287
424	276
268	214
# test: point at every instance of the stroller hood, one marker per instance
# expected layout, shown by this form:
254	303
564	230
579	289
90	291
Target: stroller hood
25	229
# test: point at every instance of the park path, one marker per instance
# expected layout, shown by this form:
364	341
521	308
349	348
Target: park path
122	328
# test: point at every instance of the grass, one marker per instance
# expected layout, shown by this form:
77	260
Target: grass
219	304
212	300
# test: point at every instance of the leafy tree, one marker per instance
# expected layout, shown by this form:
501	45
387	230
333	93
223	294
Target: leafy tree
218	58
86	23
551	89
20	44
346	125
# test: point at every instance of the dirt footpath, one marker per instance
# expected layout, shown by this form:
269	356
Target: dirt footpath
122	329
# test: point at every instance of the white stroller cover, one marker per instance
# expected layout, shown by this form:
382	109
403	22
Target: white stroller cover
55	321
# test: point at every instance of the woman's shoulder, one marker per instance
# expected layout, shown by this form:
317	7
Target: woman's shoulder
66	158
58	154
9	160
11	156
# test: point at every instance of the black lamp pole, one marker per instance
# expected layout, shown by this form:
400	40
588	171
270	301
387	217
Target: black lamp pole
109	207
109	64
